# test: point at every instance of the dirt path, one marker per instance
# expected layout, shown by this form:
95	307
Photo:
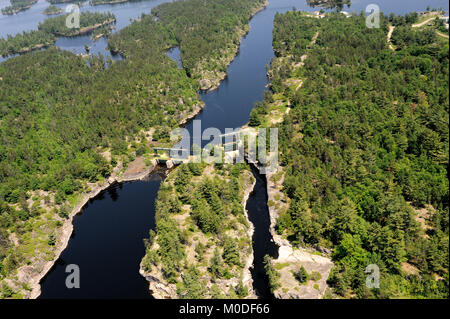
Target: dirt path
442	35
389	35
418	25
314	39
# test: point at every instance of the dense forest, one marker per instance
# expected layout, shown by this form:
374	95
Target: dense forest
59	114
208	33
18	6
25	41
88	20
365	151
202	240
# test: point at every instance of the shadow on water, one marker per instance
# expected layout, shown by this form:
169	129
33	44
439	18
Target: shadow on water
107	243
258	213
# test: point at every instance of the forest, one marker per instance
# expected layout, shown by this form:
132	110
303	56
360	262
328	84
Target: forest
59	114
329	4
25	41
88	20
18	6
201	242
365	151
208	33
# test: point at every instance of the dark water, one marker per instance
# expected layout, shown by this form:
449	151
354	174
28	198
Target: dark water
258	213
175	54
107	242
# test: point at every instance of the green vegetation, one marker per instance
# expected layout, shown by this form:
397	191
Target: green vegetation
302	275
25	42
18	6
364	149
88	22
208	33
51	10
60	116
200	233
272	273
45	36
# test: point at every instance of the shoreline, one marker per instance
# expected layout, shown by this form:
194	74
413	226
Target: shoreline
107	2
86	29
17	10
67	228
217	81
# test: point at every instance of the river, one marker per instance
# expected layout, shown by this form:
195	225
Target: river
107	240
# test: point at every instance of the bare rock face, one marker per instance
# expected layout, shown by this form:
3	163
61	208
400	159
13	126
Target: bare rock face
157	286
293	260
290	259
205	84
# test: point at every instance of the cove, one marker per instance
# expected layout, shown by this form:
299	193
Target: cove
107	240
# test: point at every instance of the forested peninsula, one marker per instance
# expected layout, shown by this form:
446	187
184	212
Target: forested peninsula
69	129
208	34
202	247
364	157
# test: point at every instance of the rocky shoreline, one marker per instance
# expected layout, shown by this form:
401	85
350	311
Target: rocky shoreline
292	257
7	11
213	82
67	228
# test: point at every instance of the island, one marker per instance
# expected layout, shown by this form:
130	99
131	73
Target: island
89	21
52	10
203	244
18	6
